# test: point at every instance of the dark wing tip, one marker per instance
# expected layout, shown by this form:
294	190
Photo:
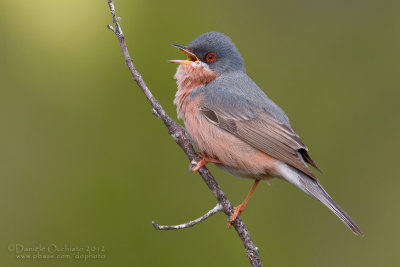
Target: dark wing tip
308	159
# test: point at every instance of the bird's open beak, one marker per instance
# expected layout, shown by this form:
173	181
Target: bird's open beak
190	56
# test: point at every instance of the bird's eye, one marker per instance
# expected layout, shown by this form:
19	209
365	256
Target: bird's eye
210	57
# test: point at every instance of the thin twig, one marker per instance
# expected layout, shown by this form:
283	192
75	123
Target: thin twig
188	224
179	135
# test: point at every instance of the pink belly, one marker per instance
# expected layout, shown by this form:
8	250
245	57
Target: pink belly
237	157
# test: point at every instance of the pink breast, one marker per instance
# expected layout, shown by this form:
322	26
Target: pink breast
190	76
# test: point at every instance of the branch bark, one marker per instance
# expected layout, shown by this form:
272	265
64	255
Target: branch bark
179	135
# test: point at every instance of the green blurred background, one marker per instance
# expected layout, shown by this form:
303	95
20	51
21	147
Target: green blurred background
83	162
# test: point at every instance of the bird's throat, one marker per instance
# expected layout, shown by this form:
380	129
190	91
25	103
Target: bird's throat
188	77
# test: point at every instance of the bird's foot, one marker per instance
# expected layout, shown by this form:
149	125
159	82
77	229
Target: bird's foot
204	160
238	210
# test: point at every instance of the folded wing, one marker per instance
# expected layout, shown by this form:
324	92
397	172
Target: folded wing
257	127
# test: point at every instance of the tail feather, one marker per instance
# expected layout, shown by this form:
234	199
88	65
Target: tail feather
315	189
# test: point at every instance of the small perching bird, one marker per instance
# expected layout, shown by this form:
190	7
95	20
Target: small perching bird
233	124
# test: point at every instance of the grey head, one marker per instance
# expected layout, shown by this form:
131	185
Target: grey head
233	85
217	51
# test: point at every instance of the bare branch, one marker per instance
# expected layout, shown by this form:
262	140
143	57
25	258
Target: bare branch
111	27
188	224
179	135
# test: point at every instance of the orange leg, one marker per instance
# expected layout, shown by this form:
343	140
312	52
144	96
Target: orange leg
204	160
239	209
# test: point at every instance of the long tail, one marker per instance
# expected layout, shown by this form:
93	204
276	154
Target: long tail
315	189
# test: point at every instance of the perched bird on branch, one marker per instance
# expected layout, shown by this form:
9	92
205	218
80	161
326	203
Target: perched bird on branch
233	124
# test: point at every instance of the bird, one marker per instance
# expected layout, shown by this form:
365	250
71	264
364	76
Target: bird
235	125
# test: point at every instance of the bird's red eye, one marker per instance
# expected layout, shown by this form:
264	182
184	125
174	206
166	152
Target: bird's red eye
210	57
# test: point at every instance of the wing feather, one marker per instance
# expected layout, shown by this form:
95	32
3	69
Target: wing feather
265	133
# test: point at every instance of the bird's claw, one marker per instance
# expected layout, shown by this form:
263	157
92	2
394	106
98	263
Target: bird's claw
238	210
195	166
